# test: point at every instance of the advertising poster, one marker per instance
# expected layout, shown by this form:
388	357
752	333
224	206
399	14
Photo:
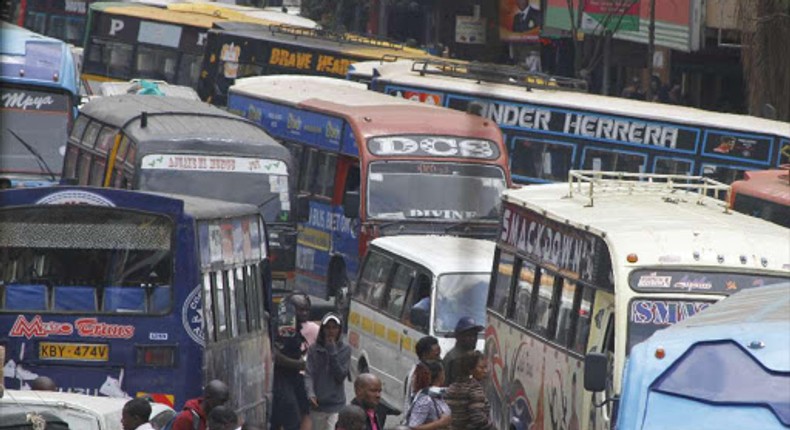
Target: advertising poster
520	20
612	15
471	30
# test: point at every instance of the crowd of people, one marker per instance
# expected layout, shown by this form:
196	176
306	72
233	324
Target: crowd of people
312	364
311	367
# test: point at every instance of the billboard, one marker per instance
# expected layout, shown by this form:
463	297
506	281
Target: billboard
520	20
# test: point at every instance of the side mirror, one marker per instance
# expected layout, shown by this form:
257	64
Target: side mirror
351	204
596	369
302	208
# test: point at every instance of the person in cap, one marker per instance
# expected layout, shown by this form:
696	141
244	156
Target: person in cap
465	334
328	362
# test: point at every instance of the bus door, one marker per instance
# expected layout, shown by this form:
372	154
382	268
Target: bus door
346	251
601	339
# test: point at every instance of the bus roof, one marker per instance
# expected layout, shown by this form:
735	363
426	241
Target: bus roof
442	254
19	62
156	14
235	12
320	39
174	204
771	185
173	119
373	113
655	222
402	73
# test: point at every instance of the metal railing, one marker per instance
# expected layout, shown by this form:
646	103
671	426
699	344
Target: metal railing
592	183
497	73
375	41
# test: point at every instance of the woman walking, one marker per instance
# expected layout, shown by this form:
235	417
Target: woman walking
327	368
468	404
428	411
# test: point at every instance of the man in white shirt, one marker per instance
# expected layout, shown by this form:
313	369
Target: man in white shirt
135	415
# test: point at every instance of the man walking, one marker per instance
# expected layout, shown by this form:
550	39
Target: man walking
466	331
367	391
194	416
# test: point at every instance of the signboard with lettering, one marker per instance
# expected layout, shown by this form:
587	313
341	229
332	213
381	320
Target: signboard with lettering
433	146
727	145
33	101
213	163
647	315
663	281
560	247
290	123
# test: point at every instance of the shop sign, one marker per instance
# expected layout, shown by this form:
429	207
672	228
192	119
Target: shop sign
612	15
470	30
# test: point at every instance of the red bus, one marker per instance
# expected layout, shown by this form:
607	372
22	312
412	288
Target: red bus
764	194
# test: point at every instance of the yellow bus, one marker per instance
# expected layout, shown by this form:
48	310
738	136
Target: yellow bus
128	40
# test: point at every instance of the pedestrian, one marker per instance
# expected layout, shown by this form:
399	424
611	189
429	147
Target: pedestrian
223	418
634	90
290	408
367	395
43	383
351	417
135	415
465	333
327	369
216	393
427	348
469	407
428	411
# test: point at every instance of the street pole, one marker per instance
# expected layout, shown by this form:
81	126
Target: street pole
651	48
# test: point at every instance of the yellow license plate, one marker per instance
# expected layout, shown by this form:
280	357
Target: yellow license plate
73	351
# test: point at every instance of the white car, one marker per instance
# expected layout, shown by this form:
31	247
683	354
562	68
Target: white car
78	411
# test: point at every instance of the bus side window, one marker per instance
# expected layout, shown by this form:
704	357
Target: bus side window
241	301
613	161
671	166
84	168
90	135
309	170
373	280
541	159
539	320
219	306
230	294
499	291
584	313
98	168
418	302
208	309
398	288
565	317
70	162
79	128
527	276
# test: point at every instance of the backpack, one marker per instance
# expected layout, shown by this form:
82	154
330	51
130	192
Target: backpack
422	393
195	421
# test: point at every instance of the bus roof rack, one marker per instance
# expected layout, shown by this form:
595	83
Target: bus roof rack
296	31
607	183
497	73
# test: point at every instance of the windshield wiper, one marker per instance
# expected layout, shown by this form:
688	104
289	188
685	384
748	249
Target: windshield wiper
41	162
267	201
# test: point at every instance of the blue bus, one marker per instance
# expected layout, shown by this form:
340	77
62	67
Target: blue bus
39	87
551	126
123	294
727	367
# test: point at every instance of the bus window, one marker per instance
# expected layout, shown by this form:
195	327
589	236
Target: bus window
373	280
219	305
722	173
70	162
672	166
541	318
156	63
90	135
500	291
524	289
66	28
189	75
105	140
319	178
114	58
97	171
543	160
241	301
565	318
79	127
399	287
123	147
230	283
608	161
84	168
583	320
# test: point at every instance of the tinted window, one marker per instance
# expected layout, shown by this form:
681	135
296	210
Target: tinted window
372	283
501	288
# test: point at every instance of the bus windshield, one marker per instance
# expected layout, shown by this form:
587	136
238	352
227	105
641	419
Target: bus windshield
85	258
429	190
256	181
459	295
34	123
646	315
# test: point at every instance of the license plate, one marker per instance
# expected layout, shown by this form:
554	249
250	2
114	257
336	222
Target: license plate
73	351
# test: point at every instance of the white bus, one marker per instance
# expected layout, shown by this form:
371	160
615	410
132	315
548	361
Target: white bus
551	126
595	266
384	325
